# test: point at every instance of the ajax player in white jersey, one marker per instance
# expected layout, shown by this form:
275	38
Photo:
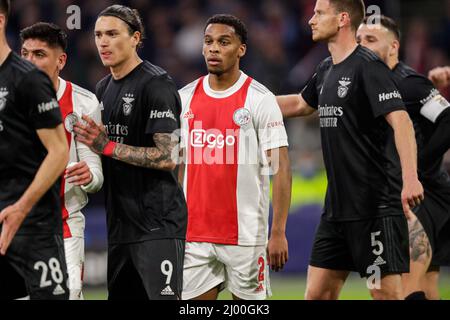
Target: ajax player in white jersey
233	138
44	45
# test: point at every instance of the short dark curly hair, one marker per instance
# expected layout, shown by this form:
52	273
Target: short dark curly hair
49	33
232	21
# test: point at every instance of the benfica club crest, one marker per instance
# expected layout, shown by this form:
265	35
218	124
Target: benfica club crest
343	88
3	94
128	105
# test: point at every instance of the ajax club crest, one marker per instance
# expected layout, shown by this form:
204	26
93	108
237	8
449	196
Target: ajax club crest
128	105
3	94
70	120
343	88
242	117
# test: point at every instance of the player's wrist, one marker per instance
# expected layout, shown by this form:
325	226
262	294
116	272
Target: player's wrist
109	148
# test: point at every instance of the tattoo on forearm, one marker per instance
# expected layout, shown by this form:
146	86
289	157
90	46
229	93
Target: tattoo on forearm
100	142
154	158
419	244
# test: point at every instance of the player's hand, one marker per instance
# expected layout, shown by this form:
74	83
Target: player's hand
78	174
412	195
440	77
91	134
11	219
277	251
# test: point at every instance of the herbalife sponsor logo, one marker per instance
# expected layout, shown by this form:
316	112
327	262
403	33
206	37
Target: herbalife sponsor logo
154	114
388	96
167	291
44	107
329	116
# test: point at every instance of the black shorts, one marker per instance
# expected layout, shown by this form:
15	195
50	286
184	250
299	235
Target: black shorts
35	266
363	246
151	269
434	215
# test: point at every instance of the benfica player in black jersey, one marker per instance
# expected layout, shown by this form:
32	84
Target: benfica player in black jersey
146	209
366	136
33	154
429	232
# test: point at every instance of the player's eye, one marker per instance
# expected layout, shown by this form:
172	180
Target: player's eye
224	42
208	41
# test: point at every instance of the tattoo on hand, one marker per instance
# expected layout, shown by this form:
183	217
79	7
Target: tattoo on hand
154	158
100	142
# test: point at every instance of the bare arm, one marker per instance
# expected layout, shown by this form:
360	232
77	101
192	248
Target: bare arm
158	157
405	141
54	141
282	181
294	106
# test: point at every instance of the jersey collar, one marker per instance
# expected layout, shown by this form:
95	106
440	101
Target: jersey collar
225	93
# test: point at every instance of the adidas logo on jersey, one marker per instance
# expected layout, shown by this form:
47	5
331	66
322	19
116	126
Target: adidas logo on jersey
379	261
58	290
167	291
189	115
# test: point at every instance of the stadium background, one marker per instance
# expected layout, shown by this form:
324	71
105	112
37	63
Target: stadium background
281	55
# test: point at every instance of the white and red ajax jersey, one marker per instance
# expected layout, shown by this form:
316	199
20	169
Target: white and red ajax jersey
74	102
226	183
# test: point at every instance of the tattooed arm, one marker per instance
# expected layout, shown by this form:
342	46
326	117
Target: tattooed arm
158	157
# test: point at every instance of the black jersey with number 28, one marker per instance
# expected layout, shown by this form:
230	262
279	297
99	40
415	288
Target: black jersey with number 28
27	104
352	98
141	203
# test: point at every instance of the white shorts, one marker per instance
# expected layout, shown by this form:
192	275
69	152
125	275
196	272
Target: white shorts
241	269
74	248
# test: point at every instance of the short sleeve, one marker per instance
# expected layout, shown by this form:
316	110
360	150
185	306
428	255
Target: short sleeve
163	106
381	89
309	92
421	94
270	125
38	97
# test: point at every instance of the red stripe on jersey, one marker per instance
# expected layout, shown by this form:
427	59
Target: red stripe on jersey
211	186
66	106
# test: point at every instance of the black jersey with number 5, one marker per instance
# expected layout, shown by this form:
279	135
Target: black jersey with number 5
141	203
352	98
27	104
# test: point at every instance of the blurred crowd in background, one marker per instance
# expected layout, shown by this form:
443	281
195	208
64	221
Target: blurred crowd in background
281	54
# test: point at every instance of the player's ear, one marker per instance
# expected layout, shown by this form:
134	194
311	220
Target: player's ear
395	47
344	19
136	39
62	59
242	50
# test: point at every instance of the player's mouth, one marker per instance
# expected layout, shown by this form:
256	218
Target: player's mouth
105	54
214	61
